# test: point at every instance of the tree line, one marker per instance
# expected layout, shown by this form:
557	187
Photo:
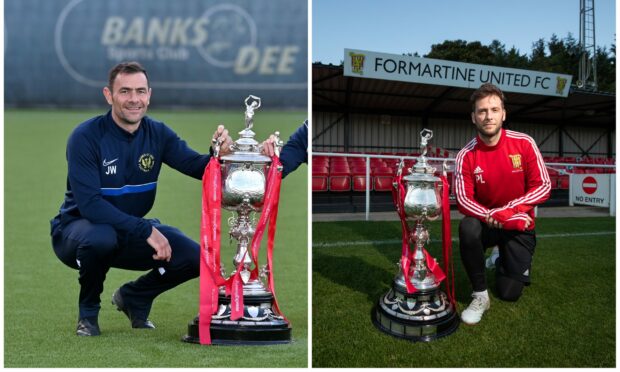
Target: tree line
556	55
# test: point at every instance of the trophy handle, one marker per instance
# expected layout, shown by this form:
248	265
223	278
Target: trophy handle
278	144
216	147
445	168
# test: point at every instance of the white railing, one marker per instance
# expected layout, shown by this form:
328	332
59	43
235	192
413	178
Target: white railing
449	160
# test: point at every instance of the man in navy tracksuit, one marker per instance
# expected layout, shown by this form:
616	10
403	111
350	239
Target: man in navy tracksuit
113	164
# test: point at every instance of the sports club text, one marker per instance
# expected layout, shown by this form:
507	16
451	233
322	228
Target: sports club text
171	38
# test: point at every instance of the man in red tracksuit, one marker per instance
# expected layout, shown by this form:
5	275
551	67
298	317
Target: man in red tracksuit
500	178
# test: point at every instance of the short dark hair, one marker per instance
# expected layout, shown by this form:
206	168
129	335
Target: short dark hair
126	68
485	90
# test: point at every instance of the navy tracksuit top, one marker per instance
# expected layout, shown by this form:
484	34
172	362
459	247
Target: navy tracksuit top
112	176
113	173
295	151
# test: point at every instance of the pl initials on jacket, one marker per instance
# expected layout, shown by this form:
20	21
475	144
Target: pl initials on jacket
506	180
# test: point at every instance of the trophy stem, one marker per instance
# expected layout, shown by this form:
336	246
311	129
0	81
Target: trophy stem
420	269
243	232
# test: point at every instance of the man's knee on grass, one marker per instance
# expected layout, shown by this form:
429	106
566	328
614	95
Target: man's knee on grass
508	289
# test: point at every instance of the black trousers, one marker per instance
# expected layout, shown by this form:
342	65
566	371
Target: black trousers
512	268
93	249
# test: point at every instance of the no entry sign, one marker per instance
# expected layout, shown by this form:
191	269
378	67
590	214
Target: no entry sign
597	190
589	185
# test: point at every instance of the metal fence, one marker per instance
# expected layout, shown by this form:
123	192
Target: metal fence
560	167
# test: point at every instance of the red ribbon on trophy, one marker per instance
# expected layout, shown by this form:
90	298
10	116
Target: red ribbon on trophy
269	214
210	269
210	275
446	234
398	196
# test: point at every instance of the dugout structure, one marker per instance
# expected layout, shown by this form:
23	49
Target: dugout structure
354	114
358	115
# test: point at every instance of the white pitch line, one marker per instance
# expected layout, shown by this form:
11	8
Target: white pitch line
398	241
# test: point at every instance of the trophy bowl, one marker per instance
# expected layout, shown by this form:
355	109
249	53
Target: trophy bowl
423	197
244	181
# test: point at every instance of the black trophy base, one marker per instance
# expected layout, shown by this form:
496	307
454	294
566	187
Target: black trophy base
417	317
258	326
238	333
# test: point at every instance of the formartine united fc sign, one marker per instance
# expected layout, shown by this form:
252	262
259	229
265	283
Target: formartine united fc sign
373	65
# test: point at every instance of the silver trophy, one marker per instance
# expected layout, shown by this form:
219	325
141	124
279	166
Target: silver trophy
244	182
426	314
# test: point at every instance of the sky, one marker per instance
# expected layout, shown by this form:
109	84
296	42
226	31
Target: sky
409	26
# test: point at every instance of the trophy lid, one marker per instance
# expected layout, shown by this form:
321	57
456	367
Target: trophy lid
246	148
425	177
422	171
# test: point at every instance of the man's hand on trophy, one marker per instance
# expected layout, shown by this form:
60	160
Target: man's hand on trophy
268	147
222	139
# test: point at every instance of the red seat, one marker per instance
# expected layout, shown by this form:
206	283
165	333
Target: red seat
563	182
339	183
383	171
319	184
357	162
392	163
320	170
339	177
383	177
375	163
358	179
323	162
552	172
335	160
359	182
554	180
339	170
319	178
383	183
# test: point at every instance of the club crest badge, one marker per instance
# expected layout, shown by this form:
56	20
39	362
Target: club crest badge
357	63
516	161
560	85
146	162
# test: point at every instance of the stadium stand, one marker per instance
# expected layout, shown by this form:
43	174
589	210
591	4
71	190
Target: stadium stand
345	176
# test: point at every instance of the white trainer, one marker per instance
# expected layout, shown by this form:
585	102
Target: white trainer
490	261
476	308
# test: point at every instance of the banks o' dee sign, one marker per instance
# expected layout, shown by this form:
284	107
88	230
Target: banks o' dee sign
224	35
366	64
198	53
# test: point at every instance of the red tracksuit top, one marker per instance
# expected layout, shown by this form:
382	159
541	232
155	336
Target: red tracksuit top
506	180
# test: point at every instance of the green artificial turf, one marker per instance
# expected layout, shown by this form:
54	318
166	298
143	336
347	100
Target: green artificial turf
40	293
566	318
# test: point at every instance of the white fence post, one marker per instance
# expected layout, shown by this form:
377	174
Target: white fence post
367	188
